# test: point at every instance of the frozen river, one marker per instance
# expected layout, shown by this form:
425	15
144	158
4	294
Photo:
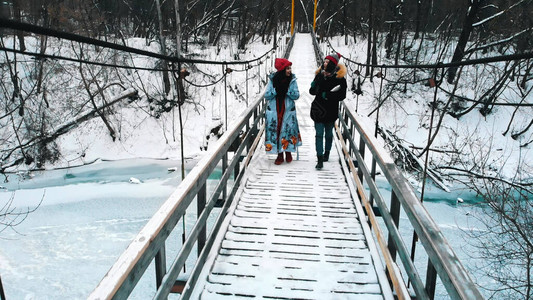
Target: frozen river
89	215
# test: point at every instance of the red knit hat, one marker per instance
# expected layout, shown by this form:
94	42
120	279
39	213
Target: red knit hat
335	57
281	63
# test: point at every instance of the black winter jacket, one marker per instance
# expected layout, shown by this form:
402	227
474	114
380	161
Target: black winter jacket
325	109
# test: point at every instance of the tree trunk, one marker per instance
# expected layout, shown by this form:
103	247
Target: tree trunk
178	27
418	18
276	23
166	80
44	40
399	46
345	21
355	30
14	79
268	26
50	137
463	38
526	76
98	111
374	47
20	35
244	27
490	97
223	23
369	44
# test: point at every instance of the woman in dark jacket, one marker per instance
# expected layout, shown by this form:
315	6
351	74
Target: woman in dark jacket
329	88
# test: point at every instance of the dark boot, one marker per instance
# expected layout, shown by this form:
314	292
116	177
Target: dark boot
320	163
326	155
288	157
279	159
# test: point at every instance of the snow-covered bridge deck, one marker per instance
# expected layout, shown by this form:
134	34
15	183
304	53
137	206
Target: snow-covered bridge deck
294	232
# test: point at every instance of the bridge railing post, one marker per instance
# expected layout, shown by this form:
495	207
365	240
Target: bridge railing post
362	153
224	168
201	202
2	294
395	214
160	266
431	279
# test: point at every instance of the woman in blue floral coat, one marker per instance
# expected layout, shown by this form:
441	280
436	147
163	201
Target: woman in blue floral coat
282	133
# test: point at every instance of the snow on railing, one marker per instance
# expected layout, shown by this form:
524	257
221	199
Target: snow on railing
442	260
150	244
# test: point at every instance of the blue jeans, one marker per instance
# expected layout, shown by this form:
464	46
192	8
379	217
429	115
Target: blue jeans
321	129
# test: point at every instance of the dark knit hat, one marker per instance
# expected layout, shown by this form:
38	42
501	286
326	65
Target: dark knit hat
281	63
333	61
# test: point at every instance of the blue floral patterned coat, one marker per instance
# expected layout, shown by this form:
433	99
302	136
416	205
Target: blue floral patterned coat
289	138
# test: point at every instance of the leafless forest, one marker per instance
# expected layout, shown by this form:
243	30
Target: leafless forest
452	30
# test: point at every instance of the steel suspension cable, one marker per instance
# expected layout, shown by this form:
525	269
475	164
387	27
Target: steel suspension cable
6	23
500	58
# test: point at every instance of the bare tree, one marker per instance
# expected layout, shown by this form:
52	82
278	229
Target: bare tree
11	216
483	24
505	241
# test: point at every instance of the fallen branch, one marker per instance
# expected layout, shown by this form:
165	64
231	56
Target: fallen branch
64	128
521	185
395	143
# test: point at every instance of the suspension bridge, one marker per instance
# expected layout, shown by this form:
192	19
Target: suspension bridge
285	231
290	231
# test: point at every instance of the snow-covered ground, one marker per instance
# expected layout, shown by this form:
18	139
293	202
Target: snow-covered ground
473	141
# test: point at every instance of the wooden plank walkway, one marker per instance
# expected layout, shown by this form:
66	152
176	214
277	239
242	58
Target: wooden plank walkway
294	232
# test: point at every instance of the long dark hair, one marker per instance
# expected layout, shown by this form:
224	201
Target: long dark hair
281	83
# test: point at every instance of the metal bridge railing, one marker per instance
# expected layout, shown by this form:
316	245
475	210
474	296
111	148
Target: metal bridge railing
442	260
149	245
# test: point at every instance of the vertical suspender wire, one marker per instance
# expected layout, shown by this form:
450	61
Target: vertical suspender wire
174	104
266	69
181	99
368	72
272	59
358	89
225	157
224	67
381	75
247	67
259	76
433	105
373	170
